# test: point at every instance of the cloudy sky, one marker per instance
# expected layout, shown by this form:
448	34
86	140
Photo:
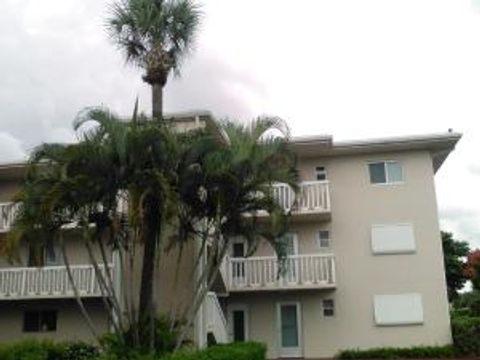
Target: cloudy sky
349	68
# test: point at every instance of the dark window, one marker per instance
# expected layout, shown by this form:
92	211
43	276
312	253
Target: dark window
385	172
328	308
31	321
377	173
324	238
238	250
238	325
40	321
48	321
320	173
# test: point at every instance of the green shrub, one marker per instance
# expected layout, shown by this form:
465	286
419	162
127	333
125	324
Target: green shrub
467	304
47	350
466	335
235	351
123	347
447	351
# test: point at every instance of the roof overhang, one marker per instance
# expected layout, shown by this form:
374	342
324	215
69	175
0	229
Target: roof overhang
439	146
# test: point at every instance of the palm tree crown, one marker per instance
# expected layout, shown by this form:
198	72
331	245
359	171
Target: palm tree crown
154	34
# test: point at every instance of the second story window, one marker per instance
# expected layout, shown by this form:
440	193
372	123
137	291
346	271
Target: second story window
385	172
48	254
320	173
324	239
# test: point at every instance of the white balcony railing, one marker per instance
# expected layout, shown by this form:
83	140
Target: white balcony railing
216	322
48	282
7	215
313	197
262	273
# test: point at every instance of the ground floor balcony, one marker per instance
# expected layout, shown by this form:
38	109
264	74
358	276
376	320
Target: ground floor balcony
48	282
310	271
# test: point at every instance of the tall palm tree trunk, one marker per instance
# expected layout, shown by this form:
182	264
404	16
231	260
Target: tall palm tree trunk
157	100
152	235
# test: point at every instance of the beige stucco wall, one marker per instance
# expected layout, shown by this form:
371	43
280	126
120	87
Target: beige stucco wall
7	190
356	205
70	323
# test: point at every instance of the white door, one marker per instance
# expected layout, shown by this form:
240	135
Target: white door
290	330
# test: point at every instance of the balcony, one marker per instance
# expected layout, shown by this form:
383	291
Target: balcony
313	271
7	215
50	282
311	202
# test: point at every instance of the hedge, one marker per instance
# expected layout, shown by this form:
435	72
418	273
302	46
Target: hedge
235	351
416	352
466	335
47	350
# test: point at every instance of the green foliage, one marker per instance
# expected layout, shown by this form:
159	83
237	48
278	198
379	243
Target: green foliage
235	351
416	352
155	35
466	335
454	254
467	304
123	346
47	350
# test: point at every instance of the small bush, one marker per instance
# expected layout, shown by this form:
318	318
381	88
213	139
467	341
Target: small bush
466	335
235	351
447	351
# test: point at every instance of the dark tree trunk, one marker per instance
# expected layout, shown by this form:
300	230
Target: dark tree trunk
152	233
157	101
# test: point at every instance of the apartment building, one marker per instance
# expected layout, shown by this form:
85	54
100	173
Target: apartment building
365	265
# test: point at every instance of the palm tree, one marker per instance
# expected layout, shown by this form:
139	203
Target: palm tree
227	189
155	35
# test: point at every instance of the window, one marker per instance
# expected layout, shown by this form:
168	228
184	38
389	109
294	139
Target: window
398	309
40	321
328	306
320	173
385	172
393	239
47	254
324	239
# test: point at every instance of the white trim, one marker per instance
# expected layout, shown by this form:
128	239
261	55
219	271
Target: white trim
290	352
238	307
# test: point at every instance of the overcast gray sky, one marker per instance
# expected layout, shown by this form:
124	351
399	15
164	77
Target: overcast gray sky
350	68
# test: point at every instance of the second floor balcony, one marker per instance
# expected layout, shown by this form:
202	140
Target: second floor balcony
312	201
262	273
48	282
